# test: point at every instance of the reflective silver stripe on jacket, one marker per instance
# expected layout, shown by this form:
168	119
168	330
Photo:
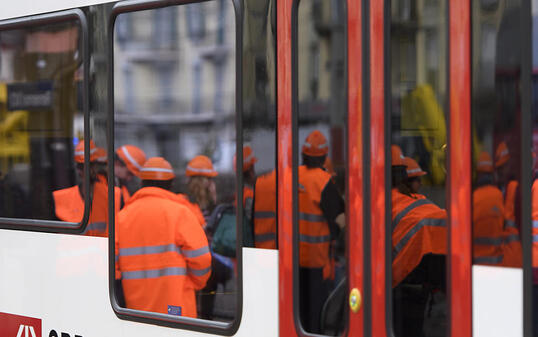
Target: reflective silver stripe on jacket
408	209
199	272
489	259
422	223
314	239
264	237
96	226
195	252
534	223
510	223
264	215
488	241
311	217
535	238
511	238
153	273
149	250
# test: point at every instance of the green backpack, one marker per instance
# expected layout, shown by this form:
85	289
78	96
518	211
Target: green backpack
224	226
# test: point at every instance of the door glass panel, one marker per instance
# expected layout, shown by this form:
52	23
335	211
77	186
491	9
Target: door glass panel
418	80
175	140
496	142
40	103
321	116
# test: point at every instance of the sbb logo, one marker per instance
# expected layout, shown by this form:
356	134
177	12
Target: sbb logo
19	326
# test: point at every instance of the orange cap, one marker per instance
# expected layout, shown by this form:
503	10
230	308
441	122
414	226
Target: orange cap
200	166
485	163
413	169
79	152
156	168
133	157
315	144
248	158
397	157
100	155
328	165
501	155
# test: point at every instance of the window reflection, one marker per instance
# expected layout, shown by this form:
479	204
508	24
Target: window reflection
321	172
40	76
496	109
418	153
175	141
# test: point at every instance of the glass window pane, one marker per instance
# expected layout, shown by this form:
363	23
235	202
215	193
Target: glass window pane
496	143
418	79
40	104
322	117
175	141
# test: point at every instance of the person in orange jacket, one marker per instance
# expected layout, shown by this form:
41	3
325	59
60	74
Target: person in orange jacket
488	215
69	202
319	206
163	253
128	160
419	246
510	187
265	211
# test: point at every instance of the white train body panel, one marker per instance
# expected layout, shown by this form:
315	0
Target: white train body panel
63	280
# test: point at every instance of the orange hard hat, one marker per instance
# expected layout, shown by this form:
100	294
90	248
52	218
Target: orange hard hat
413	169
502	155
485	163
133	157
101	156
315	144
397	157
79	152
248	158
328	165
200	166
156	168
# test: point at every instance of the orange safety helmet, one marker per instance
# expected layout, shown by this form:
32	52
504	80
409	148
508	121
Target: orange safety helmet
485	163
200	166
248	158
133	157
315	144
413	169
397	157
79	152
502	155
156	168
101	156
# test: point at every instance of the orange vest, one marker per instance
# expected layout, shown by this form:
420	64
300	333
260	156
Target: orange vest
418	228
265	211
512	243
69	206
194	208
488	223
314	233
535	223
162	251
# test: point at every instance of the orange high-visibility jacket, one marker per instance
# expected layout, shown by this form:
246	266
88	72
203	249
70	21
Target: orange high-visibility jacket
488	224
511	242
194	208
418	228
265	211
162	251
535	223
314	233
69	206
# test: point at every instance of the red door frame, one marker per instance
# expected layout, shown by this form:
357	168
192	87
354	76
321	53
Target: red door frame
285	167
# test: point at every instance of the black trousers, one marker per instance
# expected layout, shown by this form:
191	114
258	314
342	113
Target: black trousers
313	292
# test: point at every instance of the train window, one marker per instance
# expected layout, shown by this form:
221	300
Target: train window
418	82
42	112
174	70
259	125
320	175
496	142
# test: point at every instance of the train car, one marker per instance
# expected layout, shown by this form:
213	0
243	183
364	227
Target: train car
267	90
